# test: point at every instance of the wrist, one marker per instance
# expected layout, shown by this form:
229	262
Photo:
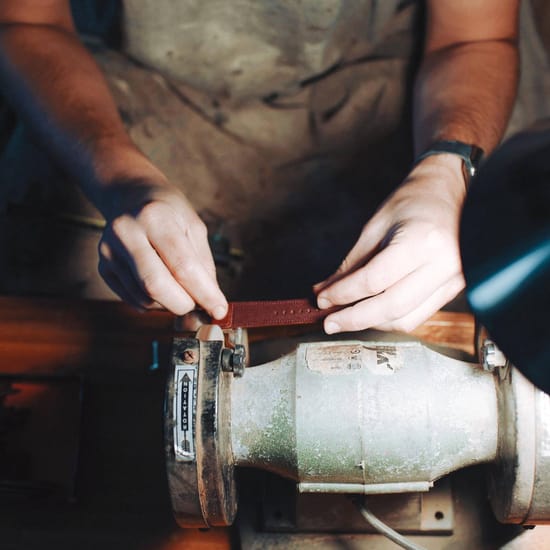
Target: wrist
439	176
469	155
444	166
121	160
123	178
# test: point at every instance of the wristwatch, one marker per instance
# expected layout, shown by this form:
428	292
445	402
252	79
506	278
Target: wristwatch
471	155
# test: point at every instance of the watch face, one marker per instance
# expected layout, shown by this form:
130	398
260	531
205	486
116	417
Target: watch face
505	247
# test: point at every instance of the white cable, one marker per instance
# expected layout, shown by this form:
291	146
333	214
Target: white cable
387	531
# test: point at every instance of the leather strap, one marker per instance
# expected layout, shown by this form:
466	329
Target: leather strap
272	313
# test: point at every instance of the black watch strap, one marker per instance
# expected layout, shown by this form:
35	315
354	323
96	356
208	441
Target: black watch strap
470	154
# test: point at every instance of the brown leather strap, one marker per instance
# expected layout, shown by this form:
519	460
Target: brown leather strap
272	313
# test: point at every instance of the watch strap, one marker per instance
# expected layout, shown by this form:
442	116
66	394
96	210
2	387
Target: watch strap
471	155
270	313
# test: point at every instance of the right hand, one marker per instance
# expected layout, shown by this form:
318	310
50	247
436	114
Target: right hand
154	251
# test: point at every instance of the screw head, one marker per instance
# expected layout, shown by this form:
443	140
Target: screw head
190	356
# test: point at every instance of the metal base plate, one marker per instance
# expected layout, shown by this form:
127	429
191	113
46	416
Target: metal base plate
473	524
284	510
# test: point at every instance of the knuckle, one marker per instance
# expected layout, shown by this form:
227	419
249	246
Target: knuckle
119	226
184	269
151	213
372	282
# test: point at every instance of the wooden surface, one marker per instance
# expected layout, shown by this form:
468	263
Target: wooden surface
47	336
449	329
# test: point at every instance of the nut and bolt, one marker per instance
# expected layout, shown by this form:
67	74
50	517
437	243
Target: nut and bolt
233	360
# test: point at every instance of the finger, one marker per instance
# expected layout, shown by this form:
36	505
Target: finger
396	302
131	246
200	241
199	235
388	267
180	256
366	246
114	283
120	279
442	296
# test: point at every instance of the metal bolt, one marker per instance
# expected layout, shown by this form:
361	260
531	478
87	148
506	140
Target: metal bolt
492	357
189	356
239	357
233	360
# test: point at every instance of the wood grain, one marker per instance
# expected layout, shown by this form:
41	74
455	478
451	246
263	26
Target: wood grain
60	336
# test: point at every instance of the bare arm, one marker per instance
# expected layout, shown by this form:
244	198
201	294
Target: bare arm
155	247
57	87
467	82
406	263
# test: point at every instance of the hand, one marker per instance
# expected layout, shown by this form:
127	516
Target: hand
406	264
154	250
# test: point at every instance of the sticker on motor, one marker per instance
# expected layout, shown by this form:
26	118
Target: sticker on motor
329	358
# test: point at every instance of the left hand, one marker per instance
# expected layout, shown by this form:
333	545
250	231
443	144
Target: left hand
406	264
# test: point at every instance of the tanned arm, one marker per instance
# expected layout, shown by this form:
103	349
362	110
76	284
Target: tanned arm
406	263
154	249
466	85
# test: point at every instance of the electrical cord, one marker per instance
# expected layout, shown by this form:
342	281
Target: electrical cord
385	530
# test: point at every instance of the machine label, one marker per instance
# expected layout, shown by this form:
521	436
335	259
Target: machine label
185	396
328	357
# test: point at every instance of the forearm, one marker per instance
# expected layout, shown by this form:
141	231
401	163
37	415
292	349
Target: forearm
465	92
154	249
57	88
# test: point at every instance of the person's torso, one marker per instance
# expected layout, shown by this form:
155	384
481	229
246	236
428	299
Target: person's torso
239	49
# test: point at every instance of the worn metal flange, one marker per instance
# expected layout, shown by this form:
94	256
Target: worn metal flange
519	479
197	436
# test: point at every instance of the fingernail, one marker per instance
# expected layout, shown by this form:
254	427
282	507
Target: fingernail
219	312
331	327
323	303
